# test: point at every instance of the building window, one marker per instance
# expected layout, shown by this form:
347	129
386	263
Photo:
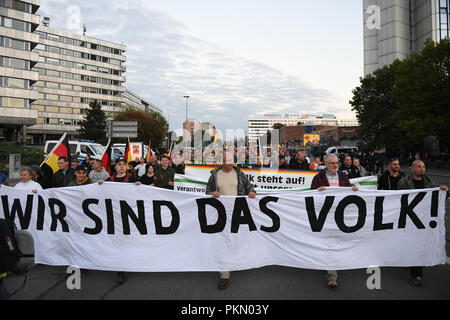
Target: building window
65	110
53	37
52	109
52	73
53	49
66	86
54	62
37	107
14	63
52	85
65	99
53	97
14	102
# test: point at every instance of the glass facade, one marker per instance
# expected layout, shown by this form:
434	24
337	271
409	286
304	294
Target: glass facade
443	19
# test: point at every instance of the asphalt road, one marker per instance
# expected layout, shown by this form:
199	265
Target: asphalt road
269	283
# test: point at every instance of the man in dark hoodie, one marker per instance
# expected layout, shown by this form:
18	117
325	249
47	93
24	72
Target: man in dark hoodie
228	180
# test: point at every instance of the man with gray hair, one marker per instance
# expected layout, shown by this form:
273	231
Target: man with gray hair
417	180
331	177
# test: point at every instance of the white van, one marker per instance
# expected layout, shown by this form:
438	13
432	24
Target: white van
81	147
337	150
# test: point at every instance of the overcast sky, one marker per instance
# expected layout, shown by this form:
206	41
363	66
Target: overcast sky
234	58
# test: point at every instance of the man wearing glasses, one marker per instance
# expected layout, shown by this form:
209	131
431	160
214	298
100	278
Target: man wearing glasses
331	177
390	178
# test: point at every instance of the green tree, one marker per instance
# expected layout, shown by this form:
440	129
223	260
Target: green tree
94	125
374	103
148	127
401	104
422	89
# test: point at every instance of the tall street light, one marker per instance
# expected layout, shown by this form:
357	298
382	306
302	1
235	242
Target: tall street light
187	98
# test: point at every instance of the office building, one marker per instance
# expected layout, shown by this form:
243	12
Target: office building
74	70
17	40
258	126
393	29
132	100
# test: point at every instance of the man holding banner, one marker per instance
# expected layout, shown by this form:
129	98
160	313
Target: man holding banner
417	180
331	177
228	180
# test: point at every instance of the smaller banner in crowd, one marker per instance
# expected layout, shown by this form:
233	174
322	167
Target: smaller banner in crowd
263	180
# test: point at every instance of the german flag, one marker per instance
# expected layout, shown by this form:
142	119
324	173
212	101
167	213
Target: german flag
106	159
60	150
149	152
128	155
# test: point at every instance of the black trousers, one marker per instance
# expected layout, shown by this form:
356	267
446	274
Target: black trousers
416	272
4	295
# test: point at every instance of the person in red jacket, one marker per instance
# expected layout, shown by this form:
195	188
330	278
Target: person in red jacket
331	177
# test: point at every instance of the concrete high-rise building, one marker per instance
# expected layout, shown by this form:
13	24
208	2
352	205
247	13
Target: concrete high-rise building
18	21
74	70
393	29
131	99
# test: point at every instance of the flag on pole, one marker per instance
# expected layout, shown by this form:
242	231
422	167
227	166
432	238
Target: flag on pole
170	151
216	137
61	149
148	157
106	158
128	156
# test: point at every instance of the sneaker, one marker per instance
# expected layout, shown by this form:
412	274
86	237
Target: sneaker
332	283
417	281
223	284
121	277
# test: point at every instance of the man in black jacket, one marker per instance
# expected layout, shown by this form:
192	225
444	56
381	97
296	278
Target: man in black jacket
390	178
349	169
65	175
299	162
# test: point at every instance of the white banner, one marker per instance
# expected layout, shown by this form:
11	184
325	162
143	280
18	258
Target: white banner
262	179
124	227
198	185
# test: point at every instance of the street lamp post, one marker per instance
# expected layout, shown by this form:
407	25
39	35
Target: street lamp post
187	98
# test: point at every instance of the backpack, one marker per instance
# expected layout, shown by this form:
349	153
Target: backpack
16	249
9	252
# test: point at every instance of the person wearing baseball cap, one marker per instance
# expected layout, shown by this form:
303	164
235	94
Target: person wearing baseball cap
123	176
81	178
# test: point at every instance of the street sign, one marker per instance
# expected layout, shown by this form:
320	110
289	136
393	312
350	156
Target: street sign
123	129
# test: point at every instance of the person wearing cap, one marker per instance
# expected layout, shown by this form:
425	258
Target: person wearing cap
99	172
122	176
81	178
